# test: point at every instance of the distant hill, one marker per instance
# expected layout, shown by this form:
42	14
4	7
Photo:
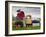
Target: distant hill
35	21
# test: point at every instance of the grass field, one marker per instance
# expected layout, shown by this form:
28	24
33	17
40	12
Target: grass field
26	28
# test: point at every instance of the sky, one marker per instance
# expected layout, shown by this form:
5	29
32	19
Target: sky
33	11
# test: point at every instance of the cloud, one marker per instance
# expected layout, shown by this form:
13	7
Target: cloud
34	11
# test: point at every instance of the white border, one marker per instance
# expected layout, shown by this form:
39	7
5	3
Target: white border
24	31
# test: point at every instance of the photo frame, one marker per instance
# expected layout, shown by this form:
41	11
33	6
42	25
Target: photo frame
24	18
